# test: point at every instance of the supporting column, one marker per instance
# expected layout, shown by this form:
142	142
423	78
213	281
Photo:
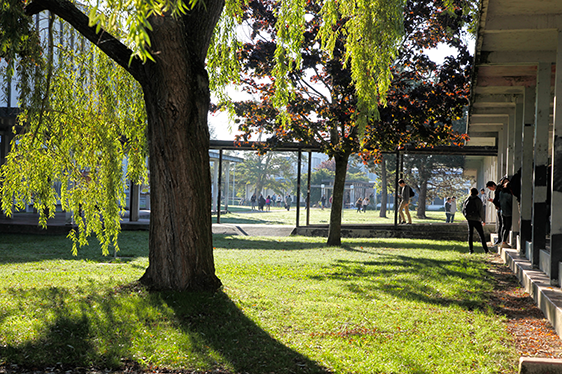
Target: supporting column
542	114
502	151
309	178
527	168
517	150
219	188
134	202
226	183
215	184
556	197
510	144
298	197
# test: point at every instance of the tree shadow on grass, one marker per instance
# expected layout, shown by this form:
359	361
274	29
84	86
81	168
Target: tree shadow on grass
412	279
111	329
271	243
408	244
21	248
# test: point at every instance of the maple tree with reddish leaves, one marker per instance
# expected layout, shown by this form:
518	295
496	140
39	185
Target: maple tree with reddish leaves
418	109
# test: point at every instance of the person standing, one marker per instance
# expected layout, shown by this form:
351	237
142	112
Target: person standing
365	204
404	196
323	202
506	206
473	210
496	201
484	198
454	208
288	202
359	205
448	210
253	200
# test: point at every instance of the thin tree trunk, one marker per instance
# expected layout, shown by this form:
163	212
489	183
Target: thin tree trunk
334	232
177	101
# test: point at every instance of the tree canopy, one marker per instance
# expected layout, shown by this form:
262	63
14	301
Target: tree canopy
421	99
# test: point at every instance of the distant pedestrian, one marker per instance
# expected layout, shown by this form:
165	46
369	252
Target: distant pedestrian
404	195
323	202
268	203
454	207
473	210
448	210
359	205
261	202
288	202
253	201
365	204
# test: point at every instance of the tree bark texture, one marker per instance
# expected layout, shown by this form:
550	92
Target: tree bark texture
422	197
334	232
177	102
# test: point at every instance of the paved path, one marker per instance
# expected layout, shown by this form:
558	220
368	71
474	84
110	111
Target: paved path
28	223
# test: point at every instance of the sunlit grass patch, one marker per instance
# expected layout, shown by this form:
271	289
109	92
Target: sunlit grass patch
289	305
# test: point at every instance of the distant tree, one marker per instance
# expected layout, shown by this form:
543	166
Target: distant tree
271	171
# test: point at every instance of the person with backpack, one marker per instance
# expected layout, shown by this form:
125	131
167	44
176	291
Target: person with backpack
404	195
473	210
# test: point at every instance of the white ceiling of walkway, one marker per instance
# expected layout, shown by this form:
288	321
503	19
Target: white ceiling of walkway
513	37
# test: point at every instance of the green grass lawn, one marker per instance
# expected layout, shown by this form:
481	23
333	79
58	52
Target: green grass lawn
280	216
289	305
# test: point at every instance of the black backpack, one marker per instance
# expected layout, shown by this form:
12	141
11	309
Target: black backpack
412	193
470	208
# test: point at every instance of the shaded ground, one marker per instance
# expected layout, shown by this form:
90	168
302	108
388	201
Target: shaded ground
532	333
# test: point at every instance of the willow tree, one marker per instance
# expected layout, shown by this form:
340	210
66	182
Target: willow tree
175	51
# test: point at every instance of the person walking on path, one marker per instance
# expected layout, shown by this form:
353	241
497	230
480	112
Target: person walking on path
453	208
323	202
365	204
404	196
473	210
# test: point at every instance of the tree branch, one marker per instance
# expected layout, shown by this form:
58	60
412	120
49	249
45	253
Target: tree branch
110	45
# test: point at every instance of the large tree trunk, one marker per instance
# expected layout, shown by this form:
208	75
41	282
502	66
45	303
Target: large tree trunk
334	232
384	189
422	198
177	101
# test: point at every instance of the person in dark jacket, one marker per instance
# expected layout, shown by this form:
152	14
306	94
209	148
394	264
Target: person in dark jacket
496	201
475	219
506	206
